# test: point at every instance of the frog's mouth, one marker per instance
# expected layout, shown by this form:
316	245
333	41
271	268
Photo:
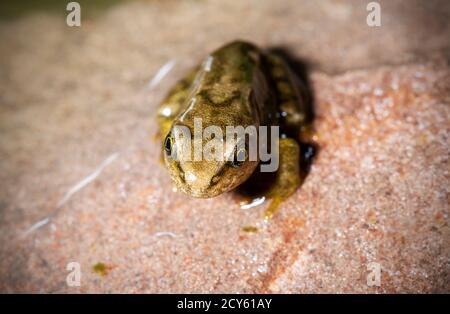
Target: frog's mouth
200	193
204	180
193	181
188	185
207	191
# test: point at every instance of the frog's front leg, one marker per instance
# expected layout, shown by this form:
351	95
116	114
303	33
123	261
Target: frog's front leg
288	176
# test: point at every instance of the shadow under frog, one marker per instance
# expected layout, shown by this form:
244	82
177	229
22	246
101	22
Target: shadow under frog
260	183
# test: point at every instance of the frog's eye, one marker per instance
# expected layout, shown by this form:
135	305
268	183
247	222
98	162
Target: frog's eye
168	145
239	157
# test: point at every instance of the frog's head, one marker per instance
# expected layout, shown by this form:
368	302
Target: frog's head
214	172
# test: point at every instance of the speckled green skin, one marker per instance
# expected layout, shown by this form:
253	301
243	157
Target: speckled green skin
237	84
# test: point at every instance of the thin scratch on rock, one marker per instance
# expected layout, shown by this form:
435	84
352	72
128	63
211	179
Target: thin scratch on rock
162	72
76	188
165	233
37	225
84	182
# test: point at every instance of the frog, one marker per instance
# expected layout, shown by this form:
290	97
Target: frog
237	84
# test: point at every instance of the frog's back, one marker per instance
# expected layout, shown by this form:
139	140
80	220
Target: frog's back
231	88
237	84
